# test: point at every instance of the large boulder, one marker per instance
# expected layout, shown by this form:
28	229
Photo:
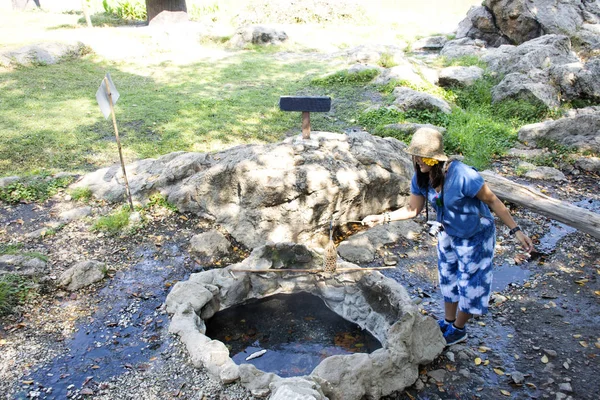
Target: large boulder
463	47
460	76
523	20
287	191
42	53
479	24
579	129
258	35
532	86
409	99
541	53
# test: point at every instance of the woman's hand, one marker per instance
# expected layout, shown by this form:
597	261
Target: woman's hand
525	241
372	220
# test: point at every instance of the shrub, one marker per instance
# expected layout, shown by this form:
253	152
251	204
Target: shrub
126	9
81	193
378	118
14	290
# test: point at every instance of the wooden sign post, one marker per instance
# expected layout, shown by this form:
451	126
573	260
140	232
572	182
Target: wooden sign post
306	105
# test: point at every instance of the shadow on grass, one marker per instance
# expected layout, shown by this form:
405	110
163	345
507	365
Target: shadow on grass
50	120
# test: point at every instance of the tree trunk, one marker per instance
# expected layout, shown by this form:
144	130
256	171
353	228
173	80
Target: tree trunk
155	7
577	217
86	13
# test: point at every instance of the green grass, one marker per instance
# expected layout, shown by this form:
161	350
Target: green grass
346	78
14	290
113	223
158	200
81	194
36	188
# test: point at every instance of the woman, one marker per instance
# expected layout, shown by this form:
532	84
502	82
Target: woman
467	238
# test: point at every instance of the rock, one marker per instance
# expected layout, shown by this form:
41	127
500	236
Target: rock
409	99
526	153
373	54
43	53
82	274
560	396
541	54
479	24
590	164
465	372
565	387
279	192
450	356
463	47
580	129
211	245
419	385
257	34
390	260
362	247
532	87
407	71
409	339
438	375
551	353
22	265
430	43
517	377
459	76
546	173
75	214
9	180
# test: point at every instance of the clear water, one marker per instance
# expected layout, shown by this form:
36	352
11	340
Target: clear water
298	331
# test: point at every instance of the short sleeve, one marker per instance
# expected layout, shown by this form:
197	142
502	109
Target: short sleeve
472	181
414	188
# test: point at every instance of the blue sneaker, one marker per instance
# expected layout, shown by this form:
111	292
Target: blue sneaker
454	335
443	325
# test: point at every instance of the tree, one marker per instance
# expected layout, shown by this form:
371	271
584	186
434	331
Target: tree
155	7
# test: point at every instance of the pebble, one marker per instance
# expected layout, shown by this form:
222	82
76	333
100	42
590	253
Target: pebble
565	387
551	353
517	377
465	372
450	356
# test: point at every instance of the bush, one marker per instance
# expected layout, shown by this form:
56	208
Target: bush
126	9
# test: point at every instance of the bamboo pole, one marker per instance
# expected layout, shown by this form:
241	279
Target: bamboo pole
114	119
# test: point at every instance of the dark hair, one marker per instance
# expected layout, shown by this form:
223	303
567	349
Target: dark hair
436	174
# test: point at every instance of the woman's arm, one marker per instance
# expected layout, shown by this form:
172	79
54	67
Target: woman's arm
410	210
486	195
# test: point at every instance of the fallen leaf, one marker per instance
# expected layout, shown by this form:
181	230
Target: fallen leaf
486	362
481	323
510	335
505	392
483	349
577	336
597	344
95	366
27	382
545	359
477	361
583	343
450	367
597	292
531	385
498	371
183	217
582	282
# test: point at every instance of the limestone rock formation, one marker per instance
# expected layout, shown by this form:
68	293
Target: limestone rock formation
367	298
287	191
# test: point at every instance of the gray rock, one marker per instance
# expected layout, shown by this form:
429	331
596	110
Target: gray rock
82	274
22	265
42	53
532	86
465	372
406	71
371	300
580	129
546	173
565	387
373	53
286	191
257	34
211	244
409	99
479	24
362	247
430	43
459	76
9	180
463	47
438	375
75	214
526	153
517	377
590	164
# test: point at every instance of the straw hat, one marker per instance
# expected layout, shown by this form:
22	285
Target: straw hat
427	142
